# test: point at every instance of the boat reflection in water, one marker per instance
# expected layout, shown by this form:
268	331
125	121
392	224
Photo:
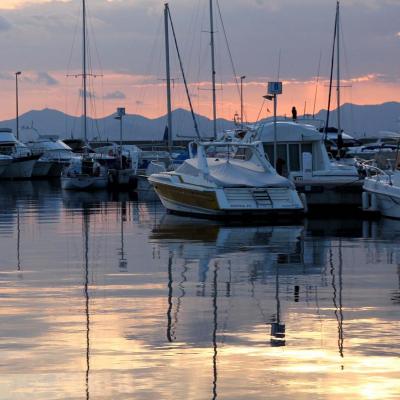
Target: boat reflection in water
273	253
280	264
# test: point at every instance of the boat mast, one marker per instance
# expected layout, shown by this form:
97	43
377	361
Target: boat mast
331	75
168	77
84	75
213	71
338	69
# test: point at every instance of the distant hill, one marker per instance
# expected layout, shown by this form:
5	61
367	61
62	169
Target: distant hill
366	120
356	120
135	127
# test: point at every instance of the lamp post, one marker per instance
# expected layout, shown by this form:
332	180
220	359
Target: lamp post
241	98
120	114
274	88
16	102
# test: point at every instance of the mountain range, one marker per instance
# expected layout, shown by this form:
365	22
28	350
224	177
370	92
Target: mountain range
357	120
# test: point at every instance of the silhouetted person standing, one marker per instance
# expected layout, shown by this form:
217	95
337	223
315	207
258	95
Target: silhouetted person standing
294	113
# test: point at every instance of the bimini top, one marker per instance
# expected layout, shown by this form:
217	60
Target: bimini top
6	136
288	131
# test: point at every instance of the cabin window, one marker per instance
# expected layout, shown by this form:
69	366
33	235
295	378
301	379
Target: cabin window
307	148
294	157
269	152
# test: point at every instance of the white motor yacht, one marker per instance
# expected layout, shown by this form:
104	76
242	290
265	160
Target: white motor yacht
382	191
54	155
222	179
303	158
23	161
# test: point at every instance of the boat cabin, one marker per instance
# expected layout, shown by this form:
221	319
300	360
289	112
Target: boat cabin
293	141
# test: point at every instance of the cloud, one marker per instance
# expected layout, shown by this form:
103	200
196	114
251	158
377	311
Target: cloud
4	24
117	95
89	94
47	79
6	76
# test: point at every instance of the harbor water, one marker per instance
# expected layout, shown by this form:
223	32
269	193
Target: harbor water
108	297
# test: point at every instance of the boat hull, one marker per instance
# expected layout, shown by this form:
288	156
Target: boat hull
328	194
57	168
120	177
20	168
386	197
41	169
4	164
223	201
84	182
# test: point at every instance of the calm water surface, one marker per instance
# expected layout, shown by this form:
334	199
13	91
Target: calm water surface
110	298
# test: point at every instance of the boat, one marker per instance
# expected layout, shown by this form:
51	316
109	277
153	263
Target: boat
382	191
121	160
22	159
380	148
303	158
85	172
5	161
54	155
221	179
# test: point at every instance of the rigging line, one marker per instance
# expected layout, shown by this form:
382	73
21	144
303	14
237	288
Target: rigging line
235	75
184	77
316	83
348	73
279	65
261	109
69	67
97	54
143	89
331	77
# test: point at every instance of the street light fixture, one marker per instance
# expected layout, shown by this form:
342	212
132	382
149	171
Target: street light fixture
16	101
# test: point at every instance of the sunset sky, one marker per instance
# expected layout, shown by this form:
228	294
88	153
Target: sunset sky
42	39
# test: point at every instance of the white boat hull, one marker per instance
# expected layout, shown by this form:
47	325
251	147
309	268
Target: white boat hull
84	182
20	168
383	197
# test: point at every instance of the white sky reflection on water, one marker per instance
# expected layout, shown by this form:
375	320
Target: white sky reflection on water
192	313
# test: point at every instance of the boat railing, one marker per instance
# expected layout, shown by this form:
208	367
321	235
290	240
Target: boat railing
374	171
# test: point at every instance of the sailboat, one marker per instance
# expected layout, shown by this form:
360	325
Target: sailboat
84	173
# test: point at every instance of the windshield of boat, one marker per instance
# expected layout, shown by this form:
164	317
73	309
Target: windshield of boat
244	153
